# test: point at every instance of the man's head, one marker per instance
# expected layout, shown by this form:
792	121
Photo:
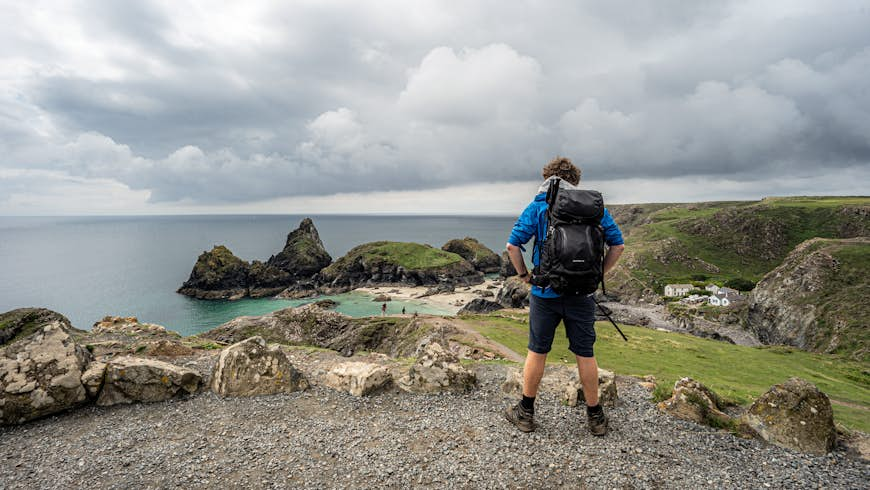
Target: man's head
563	168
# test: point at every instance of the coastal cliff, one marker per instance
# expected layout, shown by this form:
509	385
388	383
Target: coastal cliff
817	299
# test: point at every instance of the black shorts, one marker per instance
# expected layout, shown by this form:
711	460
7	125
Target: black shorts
578	313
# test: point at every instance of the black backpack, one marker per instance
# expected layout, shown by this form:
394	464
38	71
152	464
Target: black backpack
572	253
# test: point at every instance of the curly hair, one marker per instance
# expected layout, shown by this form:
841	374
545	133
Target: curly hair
563	168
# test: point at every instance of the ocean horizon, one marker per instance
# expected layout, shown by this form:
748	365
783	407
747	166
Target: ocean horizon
88	267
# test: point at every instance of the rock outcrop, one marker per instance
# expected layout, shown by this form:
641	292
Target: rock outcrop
437	370
40	370
251	368
134	379
481	257
22	322
813	300
304	254
514	293
358	378
312	325
479	305
266	280
695	402
796	415
403	263
217	274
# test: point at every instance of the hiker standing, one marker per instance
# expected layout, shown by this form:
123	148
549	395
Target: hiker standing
576	307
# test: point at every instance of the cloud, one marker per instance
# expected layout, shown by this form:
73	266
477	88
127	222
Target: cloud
475	86
186	103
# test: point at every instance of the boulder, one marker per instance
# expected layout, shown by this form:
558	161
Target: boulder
796	415
437	370
217	274
251	368
479	305
22	322
358	378
607	394
299	290
93	377
167	348
695	402
135	379
507	268
304	254
381	298
481	257
514	293
127	325
40	373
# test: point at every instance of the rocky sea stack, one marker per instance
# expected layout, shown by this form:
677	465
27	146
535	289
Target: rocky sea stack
397	263
218	274
481	257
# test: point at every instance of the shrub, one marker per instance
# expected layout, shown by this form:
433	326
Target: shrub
740	284
699	292
662	392
699	277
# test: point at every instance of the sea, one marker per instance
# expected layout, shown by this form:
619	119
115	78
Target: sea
88	267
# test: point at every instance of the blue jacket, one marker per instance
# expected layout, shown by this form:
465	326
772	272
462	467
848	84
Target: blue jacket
533	222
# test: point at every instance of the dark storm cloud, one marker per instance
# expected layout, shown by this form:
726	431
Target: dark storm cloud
208	105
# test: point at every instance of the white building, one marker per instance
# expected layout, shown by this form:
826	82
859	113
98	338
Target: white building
719	300
727	292
678	289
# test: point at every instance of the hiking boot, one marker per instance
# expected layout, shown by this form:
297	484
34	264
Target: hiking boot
597	422
517	415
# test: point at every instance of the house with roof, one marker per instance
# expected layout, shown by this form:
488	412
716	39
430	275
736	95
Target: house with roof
673	290
719	299
727	292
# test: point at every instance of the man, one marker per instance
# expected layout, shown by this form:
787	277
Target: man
547	308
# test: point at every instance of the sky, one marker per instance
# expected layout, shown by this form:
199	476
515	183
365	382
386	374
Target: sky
425	107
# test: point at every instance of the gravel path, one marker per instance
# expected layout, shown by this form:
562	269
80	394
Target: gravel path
324	439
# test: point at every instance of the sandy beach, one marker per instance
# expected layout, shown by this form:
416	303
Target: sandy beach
448	301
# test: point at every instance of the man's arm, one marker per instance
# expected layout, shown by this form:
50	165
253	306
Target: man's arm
611	257
516	256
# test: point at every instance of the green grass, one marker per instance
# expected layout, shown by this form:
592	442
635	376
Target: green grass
696	233
738	374
405	254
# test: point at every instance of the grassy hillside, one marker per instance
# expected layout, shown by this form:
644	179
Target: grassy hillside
717	241
737	373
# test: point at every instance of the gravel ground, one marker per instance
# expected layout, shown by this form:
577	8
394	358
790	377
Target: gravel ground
324	439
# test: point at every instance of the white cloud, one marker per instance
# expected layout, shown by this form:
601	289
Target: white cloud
476	85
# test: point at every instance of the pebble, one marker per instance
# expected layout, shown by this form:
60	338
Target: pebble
396	440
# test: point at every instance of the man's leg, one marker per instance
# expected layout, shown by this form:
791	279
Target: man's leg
544	316
588	369
533	371
580	328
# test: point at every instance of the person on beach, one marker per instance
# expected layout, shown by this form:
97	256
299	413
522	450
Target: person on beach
384	309
547	308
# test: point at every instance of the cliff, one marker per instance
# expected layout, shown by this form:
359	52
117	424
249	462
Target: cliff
817	299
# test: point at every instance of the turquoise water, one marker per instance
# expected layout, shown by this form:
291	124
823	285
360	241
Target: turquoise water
355	304
90	267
